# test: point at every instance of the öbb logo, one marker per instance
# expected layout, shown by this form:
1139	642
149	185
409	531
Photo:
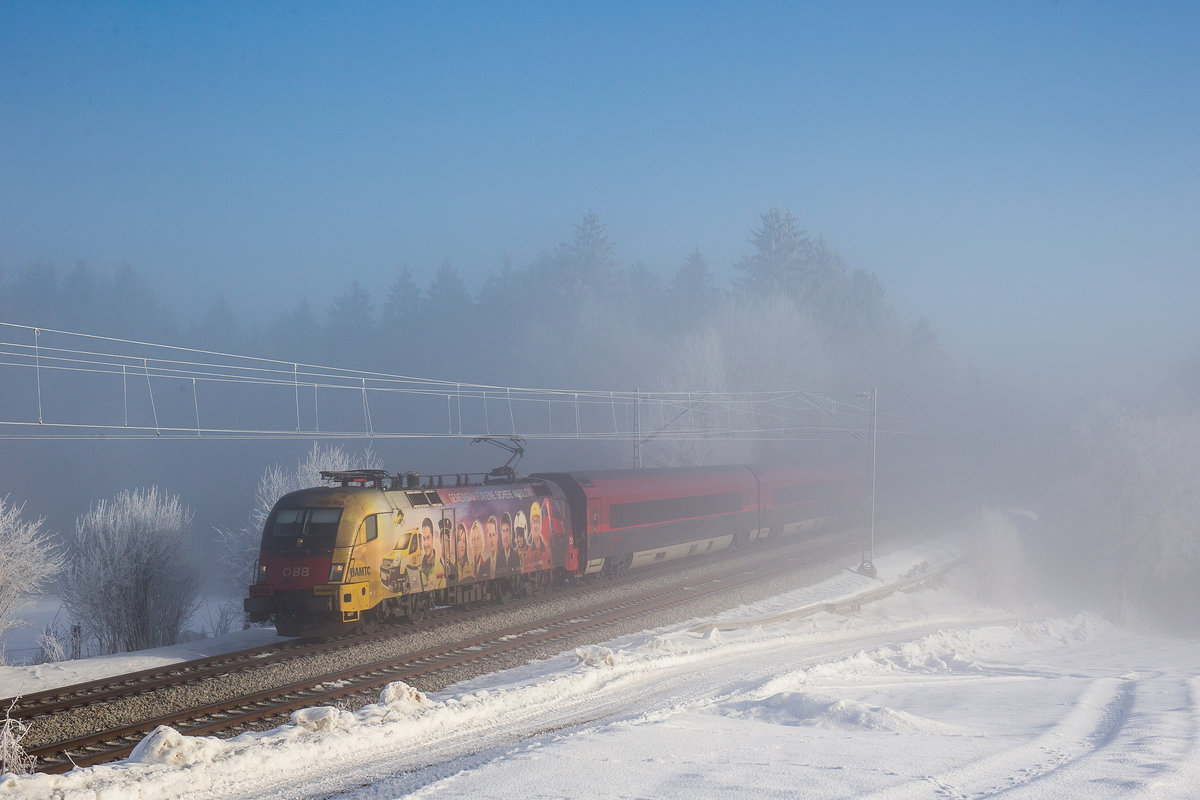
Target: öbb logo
295	572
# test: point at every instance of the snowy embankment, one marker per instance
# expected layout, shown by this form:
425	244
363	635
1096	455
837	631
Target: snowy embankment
40	677
926	694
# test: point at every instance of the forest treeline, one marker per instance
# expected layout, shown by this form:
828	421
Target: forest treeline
1117	488
796	315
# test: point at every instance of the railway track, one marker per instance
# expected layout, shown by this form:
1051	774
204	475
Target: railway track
628	600
53	701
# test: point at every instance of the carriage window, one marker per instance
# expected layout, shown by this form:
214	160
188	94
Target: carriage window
372	528
790	495
650	512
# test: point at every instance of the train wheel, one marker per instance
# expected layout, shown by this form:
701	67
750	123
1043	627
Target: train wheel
535	583
395	610
617	566
418	605
368	622
502	591
286	626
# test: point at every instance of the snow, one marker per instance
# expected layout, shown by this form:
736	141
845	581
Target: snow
16	680
924	694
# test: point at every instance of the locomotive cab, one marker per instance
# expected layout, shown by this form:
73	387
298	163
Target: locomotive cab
309	574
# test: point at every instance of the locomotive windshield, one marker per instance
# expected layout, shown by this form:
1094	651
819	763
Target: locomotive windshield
310	530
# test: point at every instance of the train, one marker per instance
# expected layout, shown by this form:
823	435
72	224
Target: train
372	548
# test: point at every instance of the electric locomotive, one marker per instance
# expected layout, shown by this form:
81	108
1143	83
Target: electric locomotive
380	548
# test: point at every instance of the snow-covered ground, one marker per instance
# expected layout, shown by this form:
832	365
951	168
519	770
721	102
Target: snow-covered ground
929	694
19	645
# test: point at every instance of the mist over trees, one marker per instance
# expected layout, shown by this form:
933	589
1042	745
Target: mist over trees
580	315
1124	521
122	305
577	316
794	315
574	317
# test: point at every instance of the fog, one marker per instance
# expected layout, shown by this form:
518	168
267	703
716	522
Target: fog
986	215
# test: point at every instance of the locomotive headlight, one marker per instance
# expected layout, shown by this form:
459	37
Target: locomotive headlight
336	571
262	573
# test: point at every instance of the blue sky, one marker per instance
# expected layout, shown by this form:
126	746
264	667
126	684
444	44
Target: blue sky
1025	175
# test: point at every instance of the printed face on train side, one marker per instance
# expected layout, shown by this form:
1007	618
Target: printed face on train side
427	546
521	530
535	523
548	524
506	532
476	539
461	546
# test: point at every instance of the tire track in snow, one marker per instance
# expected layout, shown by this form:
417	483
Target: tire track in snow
1154	754
1096	719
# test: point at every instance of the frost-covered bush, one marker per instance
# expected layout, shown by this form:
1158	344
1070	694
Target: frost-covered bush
1128	515
130	579
13	757
50	646
28	560
997	557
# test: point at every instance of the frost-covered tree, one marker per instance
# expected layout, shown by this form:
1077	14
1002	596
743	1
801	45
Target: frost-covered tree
217	328
1130	510
350	316
28	560
783	252
998	562
130	579
592	253
240	546
399	315
447	298
747	344
294	335
692	294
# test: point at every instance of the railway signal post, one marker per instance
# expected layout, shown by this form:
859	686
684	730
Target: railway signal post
867	565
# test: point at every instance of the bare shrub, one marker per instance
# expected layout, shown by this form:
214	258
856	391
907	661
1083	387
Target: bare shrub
50	646
226	617
13	757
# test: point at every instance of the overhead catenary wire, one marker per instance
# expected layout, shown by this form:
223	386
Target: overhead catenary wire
89	360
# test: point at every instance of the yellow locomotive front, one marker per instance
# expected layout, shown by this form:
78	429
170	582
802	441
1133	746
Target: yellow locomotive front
321	564
372	550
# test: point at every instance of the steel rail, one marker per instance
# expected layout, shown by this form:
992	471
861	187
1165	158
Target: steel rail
243	712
